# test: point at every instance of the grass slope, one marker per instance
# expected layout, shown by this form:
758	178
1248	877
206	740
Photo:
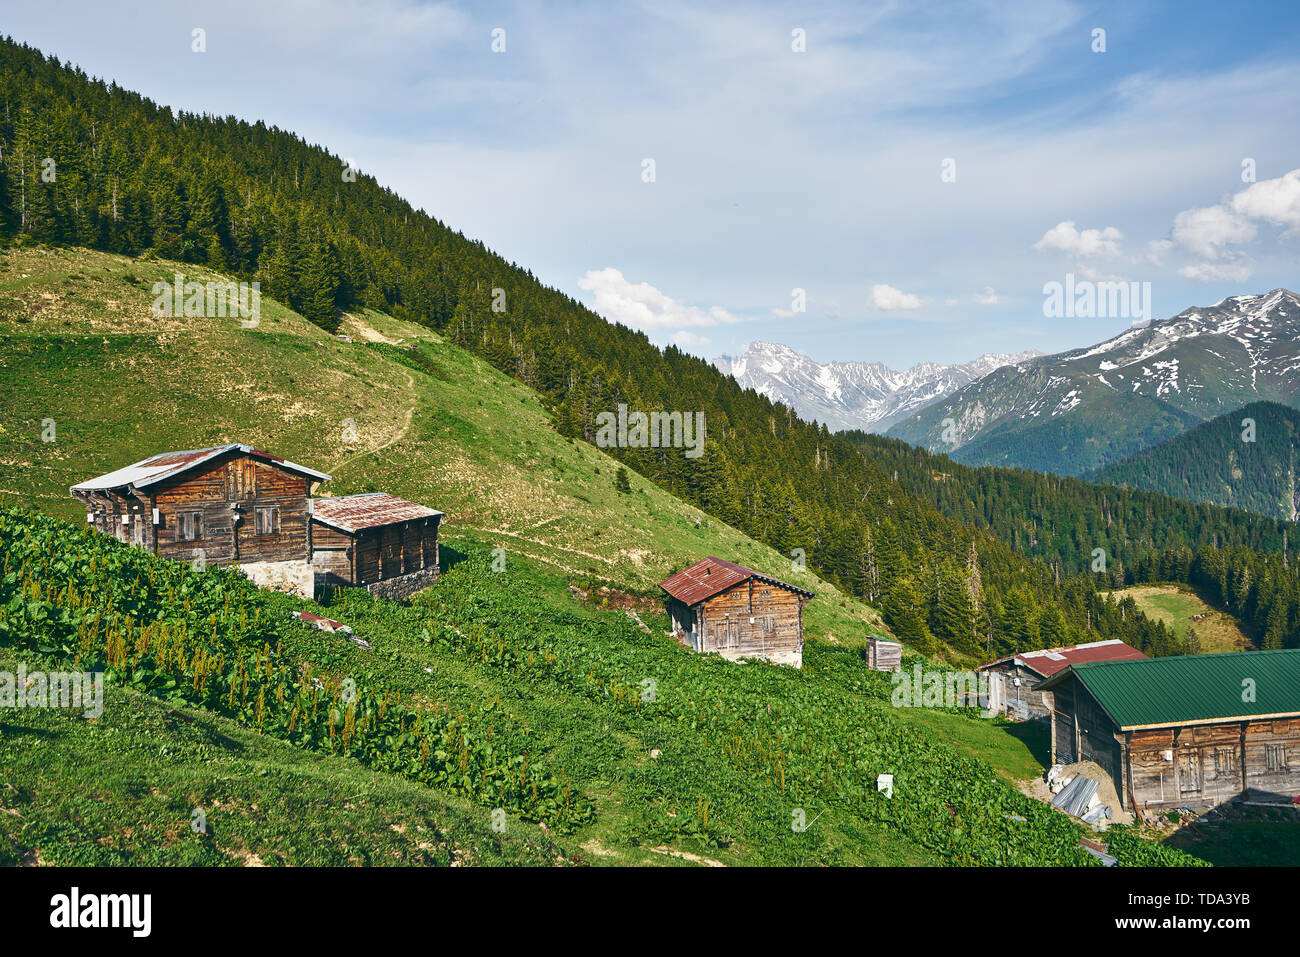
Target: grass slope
1178	605
432	423
122	789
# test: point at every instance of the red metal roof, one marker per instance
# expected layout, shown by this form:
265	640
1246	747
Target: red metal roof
352	513
710	576
1049	661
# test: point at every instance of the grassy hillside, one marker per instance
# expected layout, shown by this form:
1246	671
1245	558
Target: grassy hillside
1224	461
1181	609
489	688
123	790
431	422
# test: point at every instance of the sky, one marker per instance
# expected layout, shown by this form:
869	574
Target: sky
874	181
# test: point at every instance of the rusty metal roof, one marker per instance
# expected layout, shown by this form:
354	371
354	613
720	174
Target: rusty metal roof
353	513
1049	661
165	465
710	576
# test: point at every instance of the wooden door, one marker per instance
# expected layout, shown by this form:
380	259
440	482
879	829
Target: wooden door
1189	771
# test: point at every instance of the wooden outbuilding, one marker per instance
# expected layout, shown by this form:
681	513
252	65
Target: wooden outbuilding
721	607
1014	680
225	505
1191	730
883	654
377	541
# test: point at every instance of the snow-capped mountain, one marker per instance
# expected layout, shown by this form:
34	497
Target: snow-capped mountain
852	395
1078	411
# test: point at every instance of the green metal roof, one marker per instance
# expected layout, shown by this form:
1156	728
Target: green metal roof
1192	688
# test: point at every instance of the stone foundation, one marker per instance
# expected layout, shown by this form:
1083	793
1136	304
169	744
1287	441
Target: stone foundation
404	586
297	578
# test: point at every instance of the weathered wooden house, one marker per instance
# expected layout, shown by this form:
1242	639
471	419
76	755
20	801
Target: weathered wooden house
1014	679
377	541
737	612
1182	731
225	505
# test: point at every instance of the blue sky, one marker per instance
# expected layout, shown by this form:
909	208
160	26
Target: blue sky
777	170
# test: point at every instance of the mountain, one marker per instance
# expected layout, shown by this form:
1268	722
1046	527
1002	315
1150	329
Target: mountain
852	395
1246	458
1078	411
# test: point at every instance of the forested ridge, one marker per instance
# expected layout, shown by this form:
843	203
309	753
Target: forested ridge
1245	458
1234	559
259	203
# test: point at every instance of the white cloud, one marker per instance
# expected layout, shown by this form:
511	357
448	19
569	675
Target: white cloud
1205	232
1274	200
1068	238
686	338
1237	271
987	297
642	306
1210	232
888	299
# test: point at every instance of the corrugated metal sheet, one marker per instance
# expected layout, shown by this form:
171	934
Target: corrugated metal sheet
710	576
1049	661
167	464
1188	688
352	513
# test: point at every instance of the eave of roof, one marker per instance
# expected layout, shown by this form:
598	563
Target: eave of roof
368	510
1191	689
711	576
166	465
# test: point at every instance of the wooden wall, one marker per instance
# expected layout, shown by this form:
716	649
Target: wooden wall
235	480
375	554
732	623
210	490
1030	700
1212	763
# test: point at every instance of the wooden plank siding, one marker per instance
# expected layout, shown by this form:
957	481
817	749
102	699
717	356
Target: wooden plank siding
1205	763
373	555
751	619
208	492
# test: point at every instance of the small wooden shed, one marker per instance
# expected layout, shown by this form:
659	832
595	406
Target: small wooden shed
224	505
377	541
884	655
737	612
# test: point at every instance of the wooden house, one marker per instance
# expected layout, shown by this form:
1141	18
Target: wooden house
377	541
225	505
737	612
1014	679
1184	731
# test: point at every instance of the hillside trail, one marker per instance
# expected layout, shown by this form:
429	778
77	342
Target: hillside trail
407	417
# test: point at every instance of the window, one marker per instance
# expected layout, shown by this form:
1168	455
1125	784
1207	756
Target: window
1225	761
769	624
1275	757
268	519
189	526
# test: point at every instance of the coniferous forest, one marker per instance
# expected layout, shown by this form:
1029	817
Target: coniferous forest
977	562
